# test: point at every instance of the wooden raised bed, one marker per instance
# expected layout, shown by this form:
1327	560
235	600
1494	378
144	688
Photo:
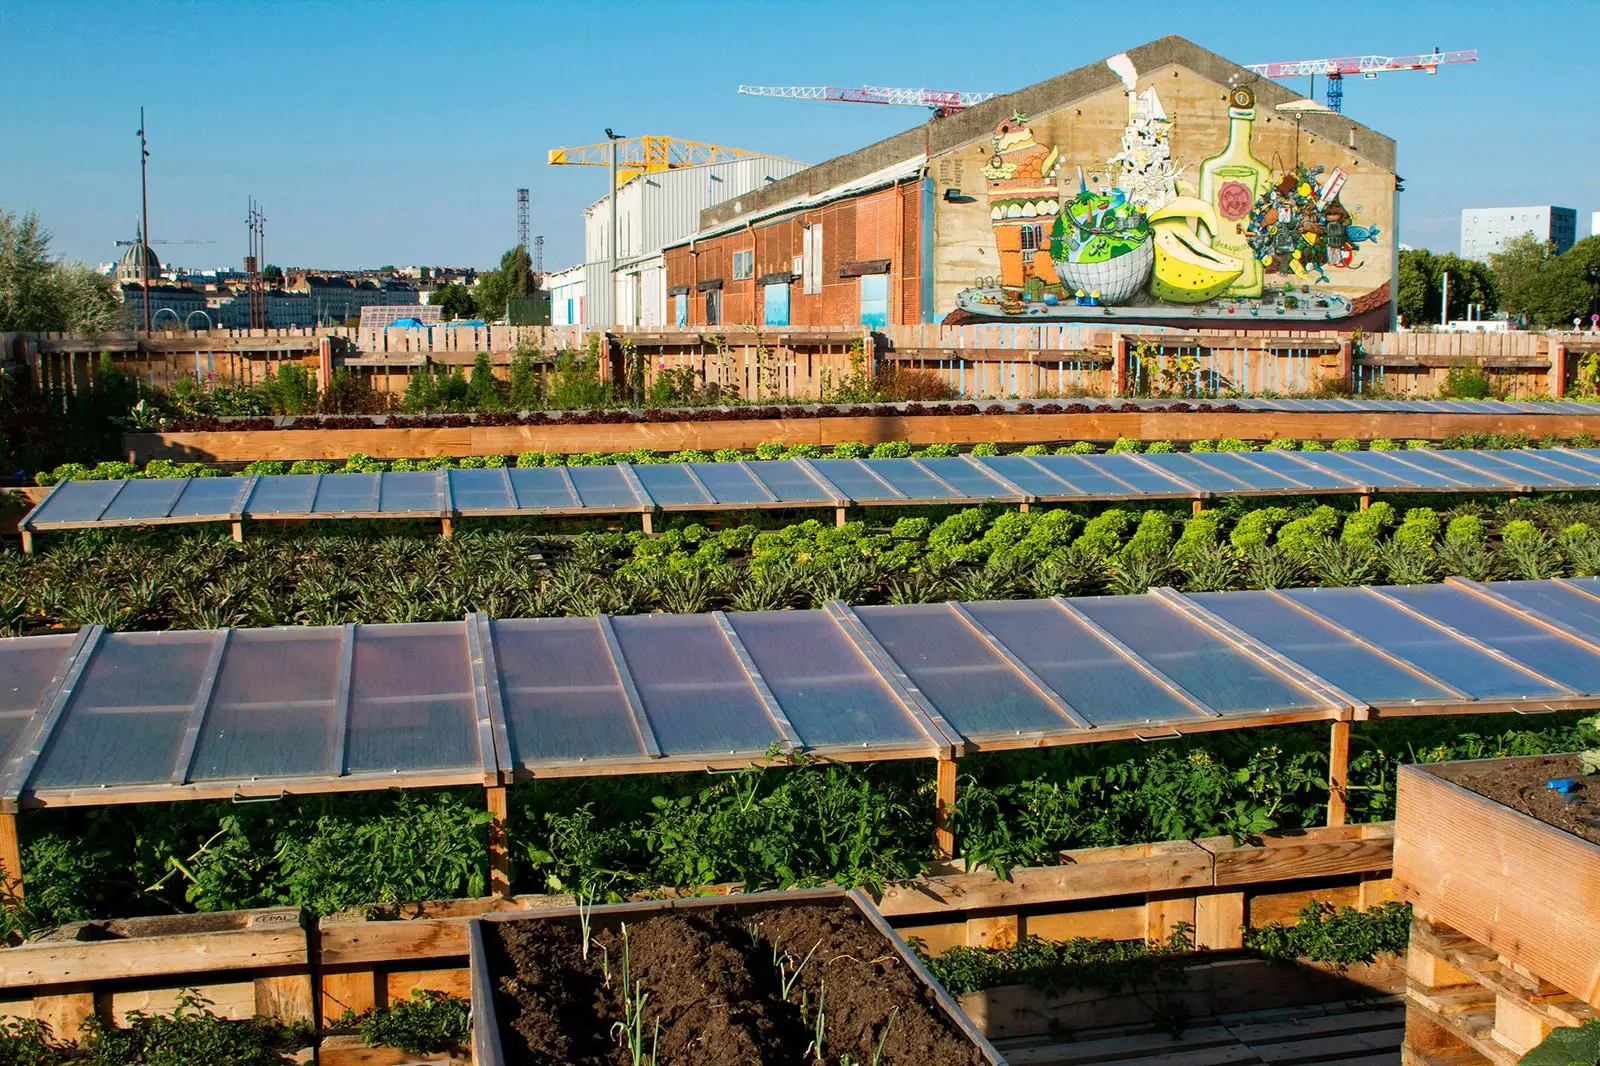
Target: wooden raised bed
293	444
860	980
1506	943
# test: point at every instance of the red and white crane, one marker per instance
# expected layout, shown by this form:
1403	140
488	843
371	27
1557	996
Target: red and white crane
942	101
1367	66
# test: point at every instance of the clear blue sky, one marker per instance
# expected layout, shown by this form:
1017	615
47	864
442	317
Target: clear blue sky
397	132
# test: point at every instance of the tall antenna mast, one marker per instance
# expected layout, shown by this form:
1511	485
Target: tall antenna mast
255	291
144	236
522	219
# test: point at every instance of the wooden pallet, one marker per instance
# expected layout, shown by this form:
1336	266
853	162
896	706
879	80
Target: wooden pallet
1330	1035
1467	1004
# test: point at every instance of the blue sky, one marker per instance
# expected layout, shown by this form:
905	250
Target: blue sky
396	132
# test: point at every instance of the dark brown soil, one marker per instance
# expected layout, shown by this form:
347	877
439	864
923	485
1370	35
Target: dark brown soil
1520	785
713	980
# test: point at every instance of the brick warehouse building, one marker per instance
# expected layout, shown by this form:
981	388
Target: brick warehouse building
1162	186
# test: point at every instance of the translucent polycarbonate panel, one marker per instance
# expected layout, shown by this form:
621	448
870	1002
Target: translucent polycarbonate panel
411	702
853	478
670	485
971	685
697	696
915	482
1030	477
1587	459
210	497
603	488
411	490
76	502
1561	601
563	700
789	482
1553	467
1198	472
968	478
144	500
1140	475
1537	647
1085	476
128	711
286	494
1321	649
27	666
1455	662
271	712
1288	466
1375	476
1213	670
730	483
1105	688
1511	468
544	488
480	491
826	689
346	493
1442	467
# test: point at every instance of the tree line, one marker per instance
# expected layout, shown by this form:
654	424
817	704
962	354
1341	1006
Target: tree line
1526	280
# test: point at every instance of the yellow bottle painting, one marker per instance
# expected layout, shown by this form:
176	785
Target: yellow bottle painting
1230	182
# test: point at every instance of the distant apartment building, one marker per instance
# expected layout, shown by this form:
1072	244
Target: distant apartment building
1484	230
566	296
335	298
284	309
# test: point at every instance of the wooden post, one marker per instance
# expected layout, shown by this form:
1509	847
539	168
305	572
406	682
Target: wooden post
1558	371
1119	364
944	839
325	362
1366	501
1023	507
1338	772
1199	505
1346	364
647	521
238	532
499	846
445	527
10	857
27	542
840	515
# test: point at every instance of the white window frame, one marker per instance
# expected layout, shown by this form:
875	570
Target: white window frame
744	263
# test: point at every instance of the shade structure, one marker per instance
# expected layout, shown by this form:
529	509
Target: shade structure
789	483
96	717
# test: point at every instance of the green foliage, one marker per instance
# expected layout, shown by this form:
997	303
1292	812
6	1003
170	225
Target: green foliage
1420	528
1124	445
1102	535
891	449
1567	1046
1113	966
1234	444
1303	537
986	448
291	391
523	391
1081	447
1152	537
576	383
1466	382
1203	446
1255	529
1341	936
1519	529
40	293
1282	444
1346	444
849	450
1202	530
1161	447
1362	528
1419	291
1466	529
427	1023
454	301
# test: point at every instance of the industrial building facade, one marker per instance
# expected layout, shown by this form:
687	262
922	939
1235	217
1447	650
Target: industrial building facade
1165	185
1485	230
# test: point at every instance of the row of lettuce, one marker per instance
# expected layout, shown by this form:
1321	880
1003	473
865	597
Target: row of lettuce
165	468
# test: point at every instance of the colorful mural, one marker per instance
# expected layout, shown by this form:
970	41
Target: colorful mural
1142	236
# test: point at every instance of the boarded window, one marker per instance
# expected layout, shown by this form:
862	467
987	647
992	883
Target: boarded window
680	309
875	300
775	304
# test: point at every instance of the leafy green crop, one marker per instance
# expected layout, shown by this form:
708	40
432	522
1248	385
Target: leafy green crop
1567	1046
427	1023
1341	936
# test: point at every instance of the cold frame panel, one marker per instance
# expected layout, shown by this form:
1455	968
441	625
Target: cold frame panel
75	503
1451	660
339	494
829	693
1201	474
788	481
411	491
697	696
282	494
1096	680
128	711
966	477
144	500
1213	670
967	681
563	699
730	483
603	488
210	497
481	491
1566	602
670	485
544	489
855	479
271	713
27	666
1321	649
411	700
1029	477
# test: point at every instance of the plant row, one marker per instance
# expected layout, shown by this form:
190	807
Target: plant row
786	823
365	464
200	579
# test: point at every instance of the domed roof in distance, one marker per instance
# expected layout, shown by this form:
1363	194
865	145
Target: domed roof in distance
130	269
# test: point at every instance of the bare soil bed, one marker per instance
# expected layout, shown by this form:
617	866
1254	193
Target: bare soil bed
714	978
1521	785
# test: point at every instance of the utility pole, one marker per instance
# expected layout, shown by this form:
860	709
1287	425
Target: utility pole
144	207
611	274
1444	298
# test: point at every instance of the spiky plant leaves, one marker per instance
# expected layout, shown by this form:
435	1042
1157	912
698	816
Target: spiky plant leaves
1532	558
849	581
1408	564
1210	568
917	586
983	583
1071	572
1343	564
1137	572
1471	559
1268	566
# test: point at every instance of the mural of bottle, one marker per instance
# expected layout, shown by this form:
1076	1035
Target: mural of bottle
1230	182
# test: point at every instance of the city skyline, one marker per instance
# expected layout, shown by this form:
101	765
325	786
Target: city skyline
372	143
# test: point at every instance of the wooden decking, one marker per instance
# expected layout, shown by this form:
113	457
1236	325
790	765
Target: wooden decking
1335	1034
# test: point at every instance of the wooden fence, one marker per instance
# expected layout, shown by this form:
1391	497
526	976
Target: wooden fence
977	361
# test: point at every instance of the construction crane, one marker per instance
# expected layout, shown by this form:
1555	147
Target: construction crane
942	101
647	155
1366	66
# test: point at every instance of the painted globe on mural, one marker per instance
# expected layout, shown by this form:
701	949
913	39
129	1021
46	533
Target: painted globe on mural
1101	244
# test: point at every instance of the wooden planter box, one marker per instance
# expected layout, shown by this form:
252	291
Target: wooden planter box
1505	942
486	1037
293	444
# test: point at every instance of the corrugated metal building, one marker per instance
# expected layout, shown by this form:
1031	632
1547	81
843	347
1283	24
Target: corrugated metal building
654	210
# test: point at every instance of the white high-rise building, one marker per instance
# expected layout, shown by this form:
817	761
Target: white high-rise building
1594	224
1484	230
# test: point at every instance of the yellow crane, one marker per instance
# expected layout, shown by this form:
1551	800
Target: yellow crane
647	155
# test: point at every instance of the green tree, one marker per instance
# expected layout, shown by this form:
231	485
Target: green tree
483	390
1419	287
513	280
39	293
273	272
1518	267
524	394
453	301
1567	287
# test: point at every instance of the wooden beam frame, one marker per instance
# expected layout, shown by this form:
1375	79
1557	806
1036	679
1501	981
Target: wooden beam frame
1338	772
499	840
944	838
